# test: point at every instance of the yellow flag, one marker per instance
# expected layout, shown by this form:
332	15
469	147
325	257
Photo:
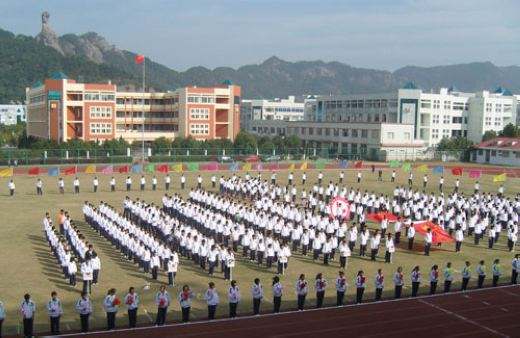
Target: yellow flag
246	166
303	166
7	172
177	167
500	178
90	169
291	166
422	168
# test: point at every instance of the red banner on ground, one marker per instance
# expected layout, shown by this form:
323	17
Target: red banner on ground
163	168
379	216
34	171
123	169
70	171
439	235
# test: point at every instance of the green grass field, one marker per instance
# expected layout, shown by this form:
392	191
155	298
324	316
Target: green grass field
26	264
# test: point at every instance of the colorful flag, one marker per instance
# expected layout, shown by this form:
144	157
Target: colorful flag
500	178
150	168
34	171
246	166
7	172
320	164
139	59
457	171
53	171
193	166
406	167
394	164
163	168
137	168
304	166
90	169
475	173
438	169
177	167
234	166
123	170
422	168
291	167
109	169
273	166
259	166
70	170
343	164
358	164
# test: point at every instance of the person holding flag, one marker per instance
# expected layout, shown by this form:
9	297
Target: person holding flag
379	282
360	286
341	288
111	304
416	280
132	304
320	286
301	291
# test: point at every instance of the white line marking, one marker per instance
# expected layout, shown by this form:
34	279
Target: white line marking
485	303
148	315
463	318
504	309
295	311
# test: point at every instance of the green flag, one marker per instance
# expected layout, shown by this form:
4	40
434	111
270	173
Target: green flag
320	164
150	168
394	164
407	167
193	166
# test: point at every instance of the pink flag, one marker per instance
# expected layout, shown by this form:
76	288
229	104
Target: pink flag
475	173
109	169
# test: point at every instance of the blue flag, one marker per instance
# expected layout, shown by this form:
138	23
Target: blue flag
438	169
343	164
54	171
233	166
137	168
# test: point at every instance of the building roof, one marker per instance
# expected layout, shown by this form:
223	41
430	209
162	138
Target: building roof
501	143
503	91
58	76
410	85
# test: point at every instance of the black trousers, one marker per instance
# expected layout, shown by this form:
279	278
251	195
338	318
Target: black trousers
359	295
398	291
55	325
211	311
480	282
185	314
433	287
111	320
233	310
84	322
87	286
28	327
415	288
319	298
256	306
465	282
301	302
458	245
340	297
161	316
427	247
379	293
514	277
495	280
410	243
342	262
132	318
277	302
447	286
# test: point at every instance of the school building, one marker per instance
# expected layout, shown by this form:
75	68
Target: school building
500	151
62	109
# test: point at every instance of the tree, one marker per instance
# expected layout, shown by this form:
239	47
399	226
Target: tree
245	142
459	143
510	131
489	135
161	144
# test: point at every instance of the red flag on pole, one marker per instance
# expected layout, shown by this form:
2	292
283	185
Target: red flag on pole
123	169
456	171
358	164
139	59
163	168
70	170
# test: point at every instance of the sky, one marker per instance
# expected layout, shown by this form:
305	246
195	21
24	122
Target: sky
363	33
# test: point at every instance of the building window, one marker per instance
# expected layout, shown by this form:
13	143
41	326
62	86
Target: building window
446	119
390	135
435	134
458	105
101	128
435	119
426	104
199	113
354	133
345	132
407	136
436	104
100	112
487	121
457	119
498	121
91	96
498	108
489	107
364	133
199	128
445	133
447	105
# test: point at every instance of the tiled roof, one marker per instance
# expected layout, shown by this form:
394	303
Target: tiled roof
506	143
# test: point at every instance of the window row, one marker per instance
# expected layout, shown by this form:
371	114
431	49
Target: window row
100	112
199	113
101	128
199	128
97	96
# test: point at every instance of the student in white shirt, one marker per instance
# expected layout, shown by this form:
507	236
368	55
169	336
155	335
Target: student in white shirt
319	286
75	183
61	185
55	310
185	298
28	309
132	304
95	183
233	298
277	294
142	183
11	187
154	183
211	297
428	238
162	300
128	183
111	304
96	268
84	308
167	181
257	292
301	291
112	184
39	187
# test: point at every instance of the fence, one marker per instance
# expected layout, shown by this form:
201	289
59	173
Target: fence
16	157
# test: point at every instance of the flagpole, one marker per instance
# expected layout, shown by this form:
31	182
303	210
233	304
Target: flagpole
142	105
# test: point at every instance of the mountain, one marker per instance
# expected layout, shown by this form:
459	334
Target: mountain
90	57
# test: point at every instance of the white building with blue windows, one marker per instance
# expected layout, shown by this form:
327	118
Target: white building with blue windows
11	114
289	109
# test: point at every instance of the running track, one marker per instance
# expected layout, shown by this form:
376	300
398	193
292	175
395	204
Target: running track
492	312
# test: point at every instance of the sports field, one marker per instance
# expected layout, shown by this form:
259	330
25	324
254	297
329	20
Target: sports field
26	264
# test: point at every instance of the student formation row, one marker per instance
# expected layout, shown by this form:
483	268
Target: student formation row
163	300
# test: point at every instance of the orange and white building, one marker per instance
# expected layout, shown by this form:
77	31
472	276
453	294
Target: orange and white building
61	109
